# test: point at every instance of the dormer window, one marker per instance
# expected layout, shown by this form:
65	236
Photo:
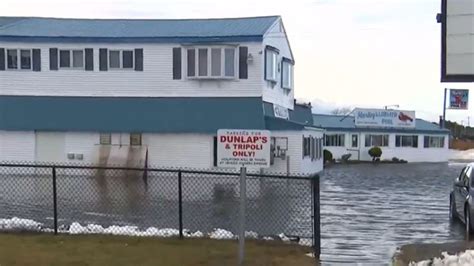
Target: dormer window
271	64
287	74
216	62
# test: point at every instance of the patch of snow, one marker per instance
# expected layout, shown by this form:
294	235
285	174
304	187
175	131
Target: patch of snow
311	255
461	259
77	228
167	232
251	235
268	238
283	237
221	234
197	234
122	230
16	223
95	228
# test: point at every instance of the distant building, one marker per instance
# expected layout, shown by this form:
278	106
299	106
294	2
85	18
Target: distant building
112	91
416	140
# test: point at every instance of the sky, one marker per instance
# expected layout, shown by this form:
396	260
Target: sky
364	53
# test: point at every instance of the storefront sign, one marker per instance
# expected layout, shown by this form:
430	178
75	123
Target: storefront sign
458	99
384	118
248	148
280	111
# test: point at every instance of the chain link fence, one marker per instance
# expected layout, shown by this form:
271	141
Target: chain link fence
74	199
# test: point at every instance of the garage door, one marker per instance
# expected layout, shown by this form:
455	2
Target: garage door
50	147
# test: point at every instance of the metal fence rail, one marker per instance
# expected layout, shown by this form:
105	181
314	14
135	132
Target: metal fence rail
79	199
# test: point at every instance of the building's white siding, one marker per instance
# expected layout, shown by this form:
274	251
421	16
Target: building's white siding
273	92
419	154
164	150
155	81
180	150
17	146
297	164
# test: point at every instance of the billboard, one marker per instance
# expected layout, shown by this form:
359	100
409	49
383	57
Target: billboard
457	40
384	118
249	148
458	99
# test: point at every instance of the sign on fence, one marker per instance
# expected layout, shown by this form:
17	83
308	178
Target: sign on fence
384	118
243	148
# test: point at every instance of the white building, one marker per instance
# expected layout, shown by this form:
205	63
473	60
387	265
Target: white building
423	142
111	91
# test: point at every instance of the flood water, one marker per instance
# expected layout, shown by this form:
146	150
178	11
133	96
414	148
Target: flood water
120	198
367	211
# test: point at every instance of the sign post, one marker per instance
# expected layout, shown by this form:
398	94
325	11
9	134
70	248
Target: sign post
243	199
243	149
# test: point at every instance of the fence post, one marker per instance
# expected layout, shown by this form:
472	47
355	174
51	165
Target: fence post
55	203
316	218
180	202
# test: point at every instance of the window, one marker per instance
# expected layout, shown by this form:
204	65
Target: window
105	139
317	147
271	64
355	141
376	140
213	62
25	59
135	139
71	59
229	62
433	142
406	141
191	62
334	140
202	70
121	59
306	147
127	59
78	59
65	58
12	59
287	74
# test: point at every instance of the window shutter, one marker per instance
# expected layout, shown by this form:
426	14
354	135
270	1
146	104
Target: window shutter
36	60
2	58
243	67
138	59
176	63
215	151
89	62
103	62
53	59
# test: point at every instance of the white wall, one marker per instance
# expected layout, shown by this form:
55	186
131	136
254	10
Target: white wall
155	81
164	150
17	146
419	154
273	92
180	150
298	164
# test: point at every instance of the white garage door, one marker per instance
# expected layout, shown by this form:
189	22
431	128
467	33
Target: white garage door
17	146
50	147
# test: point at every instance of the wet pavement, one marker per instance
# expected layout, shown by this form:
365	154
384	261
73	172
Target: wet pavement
367	211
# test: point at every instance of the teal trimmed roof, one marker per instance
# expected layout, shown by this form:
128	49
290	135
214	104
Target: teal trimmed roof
347	123
128	114
164	30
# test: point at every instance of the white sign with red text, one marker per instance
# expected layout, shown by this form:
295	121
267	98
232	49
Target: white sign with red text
243	148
